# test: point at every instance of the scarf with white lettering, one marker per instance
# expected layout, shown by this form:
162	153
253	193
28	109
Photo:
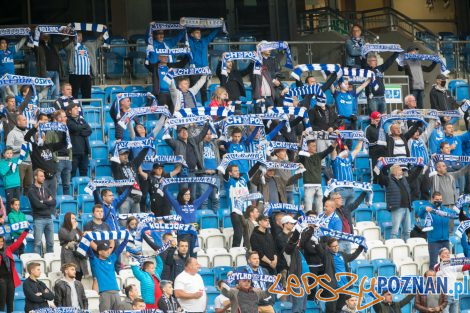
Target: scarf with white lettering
160	26
147	216
461	202
462	228
302	91
98	183
163	227
188	180
270	208
433	114
176	72
52	30
127	145
260	278
92	27
243	121
276	45
7	229
54	126
11	79
133	112
230	157
61	310
423	57
349	184
274	145
166	159
17	32
464	106
447	158
87	238
202	22
184	121
396	117
454	262
241	200
246	102
405	161
241	55
359	240
133	311
380	47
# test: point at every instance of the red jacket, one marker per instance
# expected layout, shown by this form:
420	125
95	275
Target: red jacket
9	253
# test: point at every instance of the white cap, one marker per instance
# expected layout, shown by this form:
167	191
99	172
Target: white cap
288	219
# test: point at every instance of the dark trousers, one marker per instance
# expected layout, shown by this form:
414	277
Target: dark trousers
165	98
433	248
80	162
333	306
7	294
144	187
203	91
418	94
237	224
80	83
421	187
10	194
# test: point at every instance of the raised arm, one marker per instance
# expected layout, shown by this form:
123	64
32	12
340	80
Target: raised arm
362	86
122	245
198	202
357	149
173	202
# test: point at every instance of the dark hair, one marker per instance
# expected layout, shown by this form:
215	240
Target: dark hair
183	240
66	266
355	25
7	148
306	78
128	289
436	193
8	98
230	167
104	191
443	144
12	201
330	241
180	196
310	141
311	212
189	261
129	220
236	130
31	265
147	264
40	115
165	235
182	78
36	171
219	283
248	210
96	206
250	253
68	223
137	300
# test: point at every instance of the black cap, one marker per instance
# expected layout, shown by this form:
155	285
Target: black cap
103	245
412	48
181	127
262	218
157	165
441	77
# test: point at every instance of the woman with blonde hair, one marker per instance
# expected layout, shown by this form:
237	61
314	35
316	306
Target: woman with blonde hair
219	98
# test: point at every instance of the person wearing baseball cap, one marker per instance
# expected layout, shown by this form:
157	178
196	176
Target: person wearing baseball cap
414	70
282	239
441	98
372	135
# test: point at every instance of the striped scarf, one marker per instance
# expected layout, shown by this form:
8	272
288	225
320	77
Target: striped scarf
347	184
454	262
246	102
201	22
230	157
462	228
422	57
274	145
174	122
433	114
276	45
26	148
84	244
243	120
17	32
203	111
5	229
461	202
61	310
404	161
98	183
436	158
52	30
302	91
294	111
177	72
160	26
396	117
133	112
259	278
270	208
359	240
54	126
11	79
166	159
368	47
91	27
325	68
241	55
287	166
127	145
241	200
464	106
149	216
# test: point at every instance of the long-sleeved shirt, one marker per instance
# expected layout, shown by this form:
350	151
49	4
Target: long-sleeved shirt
200	48
110	210
40	203
33	301
188	211
312	164
378	89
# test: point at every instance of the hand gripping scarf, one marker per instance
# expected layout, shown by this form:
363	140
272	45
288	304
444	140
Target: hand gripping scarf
461	202
205	111
230	157
166	159
270	208
243	120
325	68
349	184
276	45
98	183
160	26
7	229
397	160
177	72
240	201
91	27
133	112
462	228
201	22
368	47
396	117
52	30
423	57
174	122
54	126
127	145
241	55
446	158
302	91
259	278
87	238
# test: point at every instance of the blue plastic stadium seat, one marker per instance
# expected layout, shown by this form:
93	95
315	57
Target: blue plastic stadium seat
25	205
86	217
111	92
379	193
212	293
207	219
102	168
99	150
97	133
79	183
98	93
384	267
461	93
464	302
19	302
66	204
110	130
243	64
363	214
207	275
136	102
114	65
224	216
220	272
92	115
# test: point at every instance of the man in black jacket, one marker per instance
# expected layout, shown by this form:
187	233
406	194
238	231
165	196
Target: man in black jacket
176	262
372	135
128	170
69	292
335	261
43	204
441	98
388	305
79	131
282	239
35	291
262	242
233	81
397	143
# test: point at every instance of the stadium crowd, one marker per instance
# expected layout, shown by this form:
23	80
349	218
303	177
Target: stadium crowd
255	167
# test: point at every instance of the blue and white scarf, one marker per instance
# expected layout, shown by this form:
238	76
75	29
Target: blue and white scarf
426	226
145	217
276	45
274	145
127	145
404	161
92	27
302	91
396	117
54	126
87	238
174	51
188	180
164	227
241	55
325	68
52	30
436	158
7	229
243	120
47	111
464	106
259	278
230	157
201	22
205	111
61	310
11	79
160	26
131	95
422	57
294	111
324	135
461	202
287	166
133	112
348	184
454	262
15	31
174	122
134	311
246	102
463	226
368	47
241	200
359	240
98	183
177	72
270	208
24	151
166	159
357	75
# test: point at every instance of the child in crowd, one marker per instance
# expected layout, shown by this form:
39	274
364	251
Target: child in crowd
10	172
16	216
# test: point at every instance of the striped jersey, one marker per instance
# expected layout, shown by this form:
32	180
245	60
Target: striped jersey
418	149
342	168
81	60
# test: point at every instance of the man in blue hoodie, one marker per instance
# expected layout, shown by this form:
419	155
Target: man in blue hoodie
455	142
200	49
438	237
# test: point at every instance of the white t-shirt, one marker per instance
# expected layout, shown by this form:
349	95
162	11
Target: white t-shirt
219	301
191	284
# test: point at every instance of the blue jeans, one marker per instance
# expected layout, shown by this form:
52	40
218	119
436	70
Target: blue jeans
433	248
43	226
64	174
418	94
54	92
213	198
401	216
452	305
347	194
376	104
